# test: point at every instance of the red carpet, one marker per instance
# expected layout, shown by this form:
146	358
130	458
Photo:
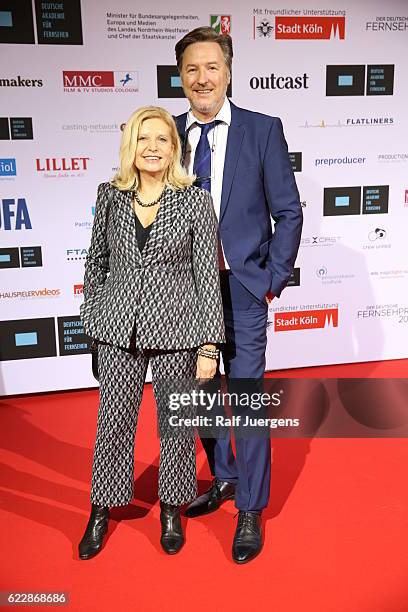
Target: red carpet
335	530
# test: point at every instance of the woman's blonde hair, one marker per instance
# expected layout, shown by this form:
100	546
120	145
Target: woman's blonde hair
127	177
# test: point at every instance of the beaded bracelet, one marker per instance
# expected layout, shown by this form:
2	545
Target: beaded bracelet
210	353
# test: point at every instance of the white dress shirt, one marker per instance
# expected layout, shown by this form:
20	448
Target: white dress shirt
217	139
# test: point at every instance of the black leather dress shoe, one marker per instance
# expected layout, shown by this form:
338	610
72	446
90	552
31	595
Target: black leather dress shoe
95	531
172	538
248	537
212	499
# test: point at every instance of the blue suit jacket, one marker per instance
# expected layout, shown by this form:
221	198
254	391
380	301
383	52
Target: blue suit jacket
258	183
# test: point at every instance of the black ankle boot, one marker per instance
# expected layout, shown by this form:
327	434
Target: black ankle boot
172	538
97	527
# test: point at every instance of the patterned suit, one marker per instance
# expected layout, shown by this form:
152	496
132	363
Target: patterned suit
157	306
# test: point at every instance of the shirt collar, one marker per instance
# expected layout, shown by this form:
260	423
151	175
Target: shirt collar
224	115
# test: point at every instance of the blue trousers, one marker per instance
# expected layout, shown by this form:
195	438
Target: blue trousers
244	358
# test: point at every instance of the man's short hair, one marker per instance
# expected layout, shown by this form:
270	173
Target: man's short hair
205	34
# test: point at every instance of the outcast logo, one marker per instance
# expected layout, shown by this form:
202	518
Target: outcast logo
274	81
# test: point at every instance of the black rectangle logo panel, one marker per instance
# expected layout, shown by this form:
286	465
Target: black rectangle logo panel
294	279
4	128
345	80
341	201
31	257
16	22
27	339
296	161
380	80
62	26
72	337
9	258
21	128
375	199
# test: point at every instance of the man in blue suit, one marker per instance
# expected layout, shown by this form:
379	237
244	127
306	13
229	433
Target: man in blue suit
242	158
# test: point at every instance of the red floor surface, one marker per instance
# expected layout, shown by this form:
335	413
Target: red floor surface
335	530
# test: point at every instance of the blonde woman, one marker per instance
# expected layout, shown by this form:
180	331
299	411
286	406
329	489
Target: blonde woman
152	295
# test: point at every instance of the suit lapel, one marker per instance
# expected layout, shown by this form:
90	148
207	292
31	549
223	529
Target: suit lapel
234	142
126	222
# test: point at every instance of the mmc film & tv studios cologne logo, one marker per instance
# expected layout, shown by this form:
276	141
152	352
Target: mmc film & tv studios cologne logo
294	24
100	81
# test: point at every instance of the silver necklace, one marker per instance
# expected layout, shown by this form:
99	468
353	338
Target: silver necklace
148	204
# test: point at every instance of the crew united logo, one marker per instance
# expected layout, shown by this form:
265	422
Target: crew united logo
221	23
306	319
102	81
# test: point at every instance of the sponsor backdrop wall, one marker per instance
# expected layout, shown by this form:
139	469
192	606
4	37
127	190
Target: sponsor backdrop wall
72	72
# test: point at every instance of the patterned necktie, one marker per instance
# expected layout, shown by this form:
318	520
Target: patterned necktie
202	170
202	157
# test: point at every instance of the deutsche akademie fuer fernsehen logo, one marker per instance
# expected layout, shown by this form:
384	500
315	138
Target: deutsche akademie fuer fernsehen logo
340	201
25	257
72	337
57	23
296	161
221	23
298	27
357	80
100	81
16	128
